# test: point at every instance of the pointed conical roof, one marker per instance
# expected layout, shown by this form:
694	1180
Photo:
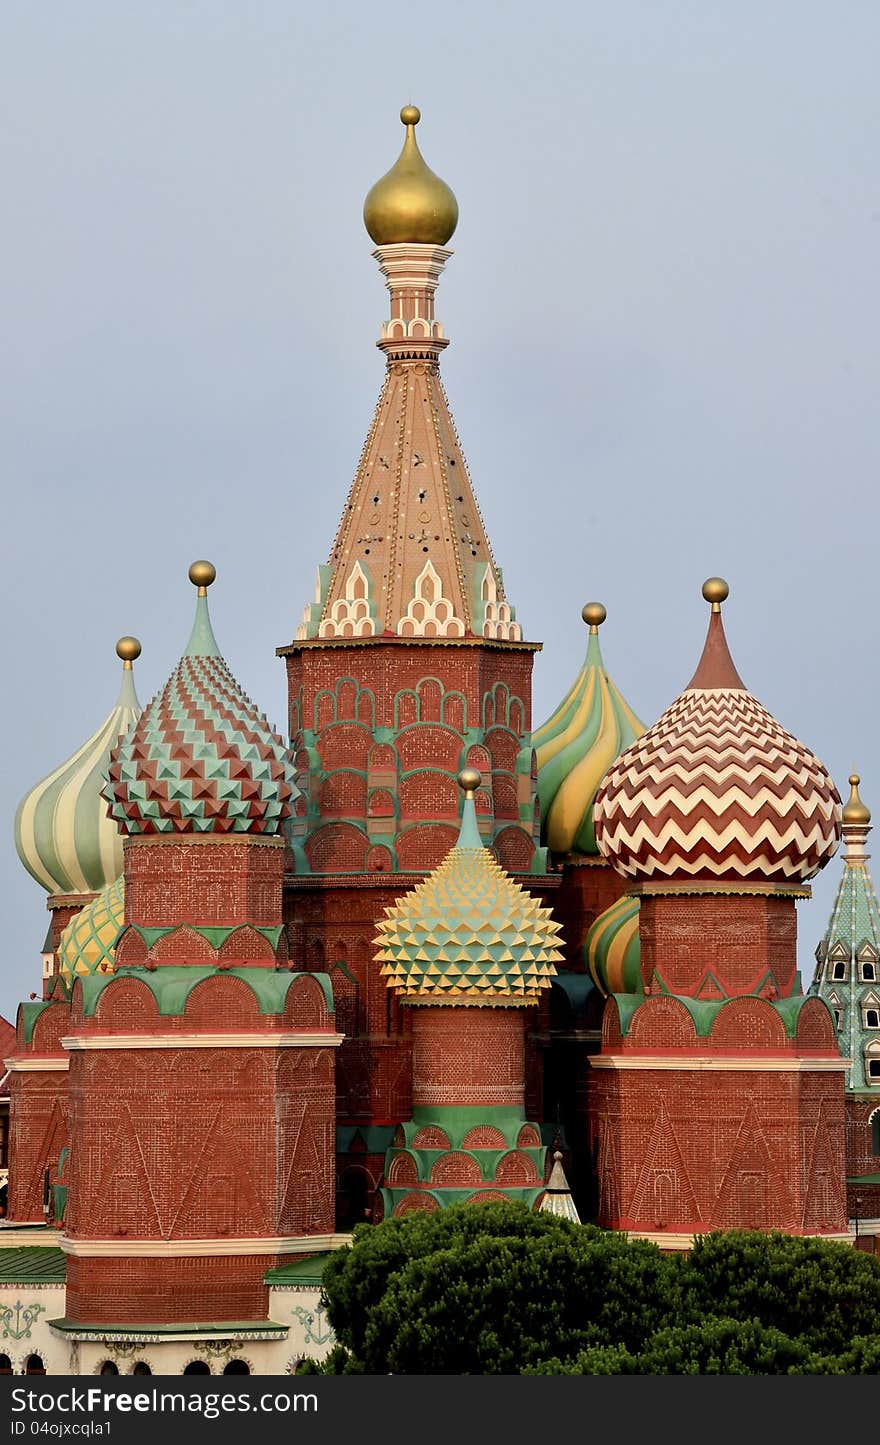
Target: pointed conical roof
411	557
717	788
468	934
576	746
556	1198
62	833
847	973
203	758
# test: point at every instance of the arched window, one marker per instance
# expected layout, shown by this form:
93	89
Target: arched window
109	1367
141	1368
872	1018
197	1367
869	973
5	1365
237	1367
34	1366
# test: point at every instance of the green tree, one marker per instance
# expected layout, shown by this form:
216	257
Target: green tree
496	1288
489	1290
817	1290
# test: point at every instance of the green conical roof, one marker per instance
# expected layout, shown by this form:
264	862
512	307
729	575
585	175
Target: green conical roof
847	973
576	746
468	934
202	758
63	835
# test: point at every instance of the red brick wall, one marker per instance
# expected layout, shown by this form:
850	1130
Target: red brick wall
737	938
213	1142
696	1149
209	881
585	891
37	1114
468	1056
127	1290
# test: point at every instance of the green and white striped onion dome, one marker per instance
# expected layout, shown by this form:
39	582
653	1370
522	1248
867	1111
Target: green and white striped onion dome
576	746
468	934
612	950
63	835
88	943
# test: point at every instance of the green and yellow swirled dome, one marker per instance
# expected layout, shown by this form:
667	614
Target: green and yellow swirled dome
88	943
612	951
576	746
63	835
468	934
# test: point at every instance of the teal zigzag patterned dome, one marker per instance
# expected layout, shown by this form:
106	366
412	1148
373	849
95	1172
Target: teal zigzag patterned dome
63	835
576	746
202	758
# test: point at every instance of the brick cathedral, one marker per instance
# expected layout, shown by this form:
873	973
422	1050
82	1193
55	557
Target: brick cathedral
410	952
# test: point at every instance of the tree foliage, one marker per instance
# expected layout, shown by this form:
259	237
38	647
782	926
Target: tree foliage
498	1289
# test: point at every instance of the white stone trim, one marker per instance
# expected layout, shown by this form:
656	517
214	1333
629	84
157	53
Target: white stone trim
187	1248
78	1042
33	1064
744	1065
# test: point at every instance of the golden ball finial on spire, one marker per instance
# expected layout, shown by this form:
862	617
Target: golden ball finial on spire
201	575
469	779
594	615
854	810
716	591
128	649
410	204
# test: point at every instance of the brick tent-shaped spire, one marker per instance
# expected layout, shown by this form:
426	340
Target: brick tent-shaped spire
411	557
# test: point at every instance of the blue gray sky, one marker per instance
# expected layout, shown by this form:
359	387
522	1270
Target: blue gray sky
663	309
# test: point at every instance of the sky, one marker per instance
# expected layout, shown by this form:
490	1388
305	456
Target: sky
663	308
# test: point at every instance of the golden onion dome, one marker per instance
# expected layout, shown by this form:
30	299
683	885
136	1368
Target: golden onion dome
854	810
410	203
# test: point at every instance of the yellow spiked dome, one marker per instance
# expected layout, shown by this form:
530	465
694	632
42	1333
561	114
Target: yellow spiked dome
88	943
468	934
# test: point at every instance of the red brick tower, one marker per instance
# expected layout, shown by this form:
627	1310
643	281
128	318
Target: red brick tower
718	1094
467	951
72	850
201	1079
408	665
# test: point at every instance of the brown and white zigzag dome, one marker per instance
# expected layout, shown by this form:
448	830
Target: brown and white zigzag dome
717	790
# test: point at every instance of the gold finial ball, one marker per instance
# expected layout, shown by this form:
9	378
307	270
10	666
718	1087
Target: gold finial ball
854	810
594	614
469	779
202	574
716	590
128	648
410	115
